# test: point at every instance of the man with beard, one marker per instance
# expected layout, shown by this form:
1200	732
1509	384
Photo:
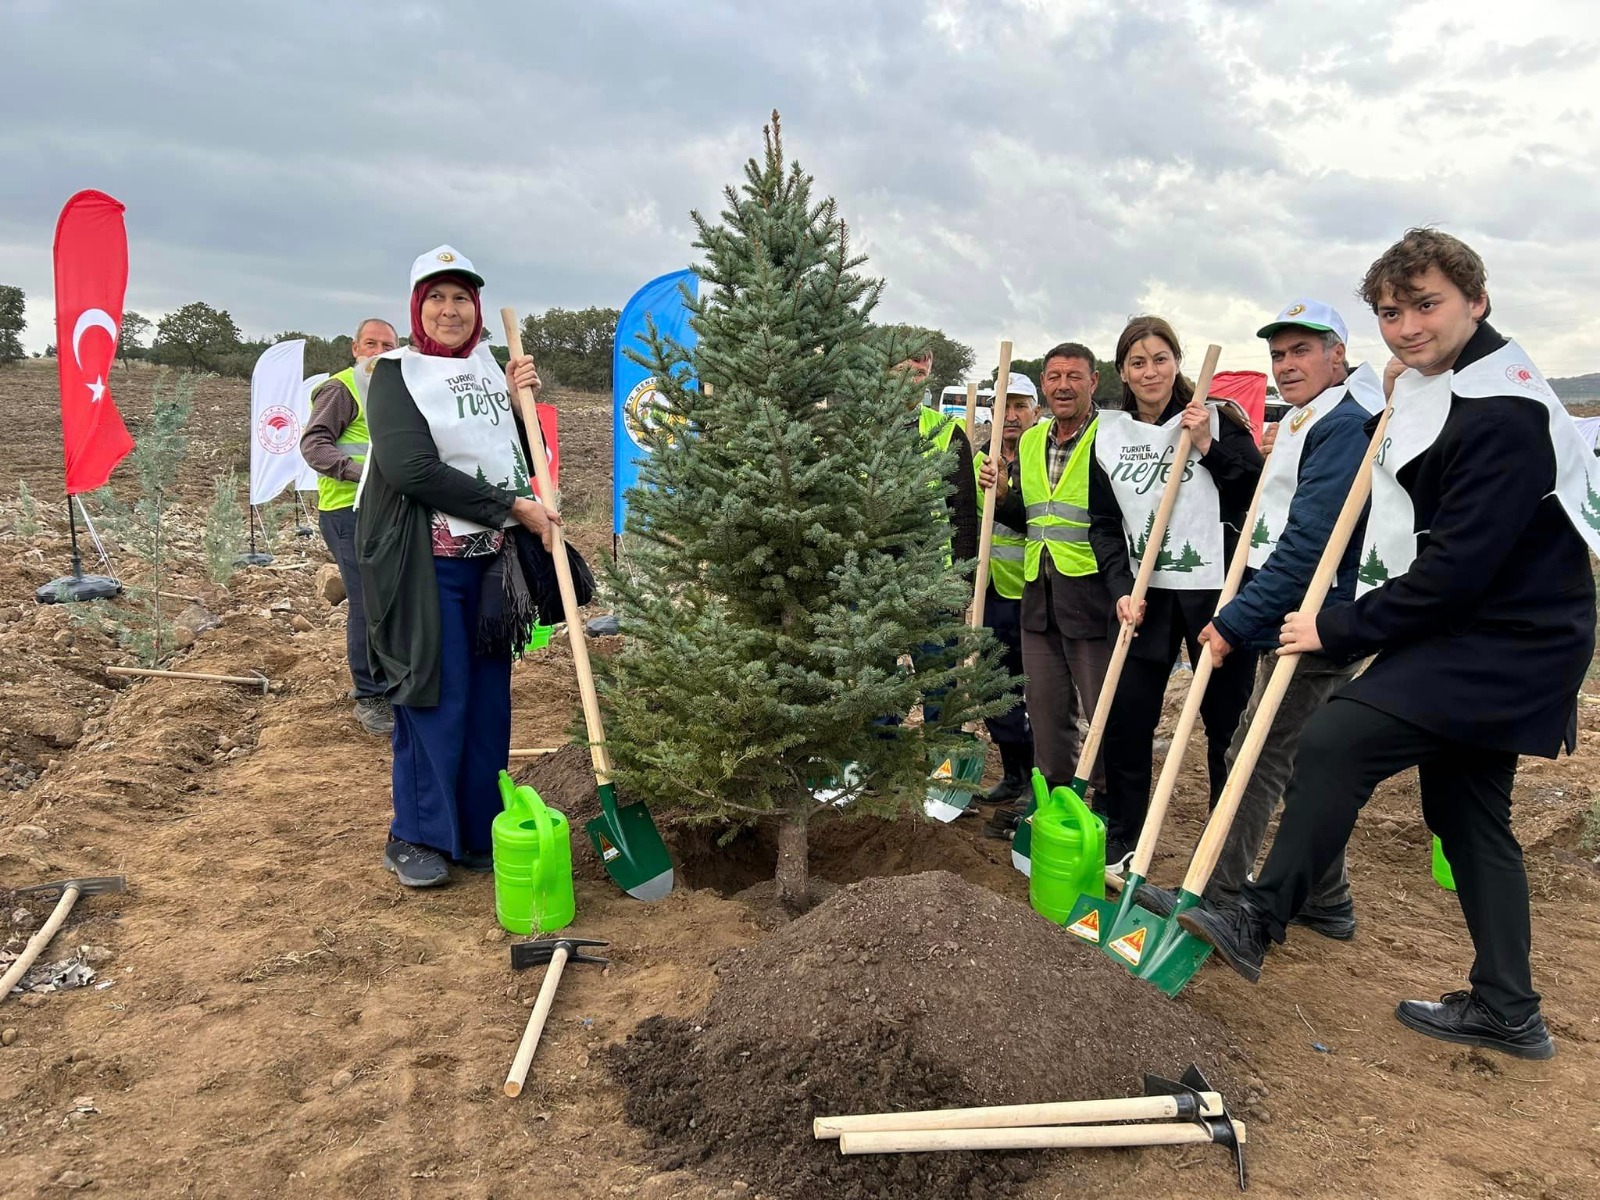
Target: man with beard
1480	607
1066	607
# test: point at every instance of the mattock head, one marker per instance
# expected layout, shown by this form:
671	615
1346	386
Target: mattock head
92	885
1222	1129
532	954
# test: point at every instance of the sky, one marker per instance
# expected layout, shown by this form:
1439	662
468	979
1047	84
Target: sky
1038	170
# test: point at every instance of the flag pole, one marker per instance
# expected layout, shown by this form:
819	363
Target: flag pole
70	589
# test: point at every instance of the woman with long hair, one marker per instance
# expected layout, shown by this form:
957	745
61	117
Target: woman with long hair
1134	447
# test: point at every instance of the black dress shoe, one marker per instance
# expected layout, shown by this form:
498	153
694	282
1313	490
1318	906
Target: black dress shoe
1336	923
1004	792
1462	1017
1002	823
1237	934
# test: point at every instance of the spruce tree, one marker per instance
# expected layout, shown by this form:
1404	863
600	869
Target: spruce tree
787	545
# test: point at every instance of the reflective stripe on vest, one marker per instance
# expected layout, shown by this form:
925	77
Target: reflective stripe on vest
1059	517
353	443
1007	551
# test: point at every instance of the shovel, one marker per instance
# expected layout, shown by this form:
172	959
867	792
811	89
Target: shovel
1022	843
1175	955
1120	927
951	787
625	838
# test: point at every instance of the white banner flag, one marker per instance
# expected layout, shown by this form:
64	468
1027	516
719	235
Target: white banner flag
308	478
279	407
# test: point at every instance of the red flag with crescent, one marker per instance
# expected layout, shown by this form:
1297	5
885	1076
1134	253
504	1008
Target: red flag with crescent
91	259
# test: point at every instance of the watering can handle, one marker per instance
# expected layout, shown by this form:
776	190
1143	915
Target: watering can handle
546	825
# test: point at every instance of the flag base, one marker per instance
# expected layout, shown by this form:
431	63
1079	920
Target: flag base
72	589
254	558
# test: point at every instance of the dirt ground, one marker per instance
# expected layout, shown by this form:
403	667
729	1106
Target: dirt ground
282	1019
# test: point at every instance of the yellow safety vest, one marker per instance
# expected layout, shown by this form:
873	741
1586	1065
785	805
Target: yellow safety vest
339	493
1060	518
1007	551
935	425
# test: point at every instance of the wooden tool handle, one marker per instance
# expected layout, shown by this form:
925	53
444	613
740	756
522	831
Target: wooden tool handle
558	551
1216	831
536	1020
1141	583
972	413
1010	1116
38	941
152	673
1029	1138
1145	851
980	586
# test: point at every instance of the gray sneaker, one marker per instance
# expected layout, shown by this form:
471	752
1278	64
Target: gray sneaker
415	866
376	715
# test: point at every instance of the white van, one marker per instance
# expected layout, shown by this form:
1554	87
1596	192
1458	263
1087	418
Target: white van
953	401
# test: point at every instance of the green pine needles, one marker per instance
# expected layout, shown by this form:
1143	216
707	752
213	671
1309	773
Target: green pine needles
786	547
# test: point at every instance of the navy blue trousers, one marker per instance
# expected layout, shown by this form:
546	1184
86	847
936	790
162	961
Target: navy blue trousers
448	759
339	532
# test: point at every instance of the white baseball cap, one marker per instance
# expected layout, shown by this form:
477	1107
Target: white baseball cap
443	260
1019	384
1308	314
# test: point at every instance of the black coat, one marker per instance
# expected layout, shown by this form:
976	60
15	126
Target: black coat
406	483
1235	465
1486	637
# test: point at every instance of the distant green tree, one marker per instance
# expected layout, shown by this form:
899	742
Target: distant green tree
130	344
952	360
573	347
197	336
13	305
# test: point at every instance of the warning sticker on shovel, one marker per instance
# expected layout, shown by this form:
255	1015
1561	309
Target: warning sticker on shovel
1131	946
1088	928
607	850
946	771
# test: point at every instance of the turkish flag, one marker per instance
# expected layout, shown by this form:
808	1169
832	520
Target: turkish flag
552	446
1247	389
91	256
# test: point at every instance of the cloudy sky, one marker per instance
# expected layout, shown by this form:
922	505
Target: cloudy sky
1033	169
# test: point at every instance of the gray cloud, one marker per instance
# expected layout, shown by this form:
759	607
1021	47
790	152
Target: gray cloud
1012	169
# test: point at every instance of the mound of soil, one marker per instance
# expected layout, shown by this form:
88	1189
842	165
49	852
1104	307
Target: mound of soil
922	991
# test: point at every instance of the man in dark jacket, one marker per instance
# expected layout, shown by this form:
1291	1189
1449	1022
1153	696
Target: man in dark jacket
1316	451
1482	637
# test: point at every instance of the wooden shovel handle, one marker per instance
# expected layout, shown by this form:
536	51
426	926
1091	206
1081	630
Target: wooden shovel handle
536	1019
980	586
558	551
1032	1138
1146	849
1216	831
1012	1116
1141	583
37	943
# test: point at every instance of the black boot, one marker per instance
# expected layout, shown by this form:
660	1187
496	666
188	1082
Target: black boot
1461	1017
1239	935
1017	761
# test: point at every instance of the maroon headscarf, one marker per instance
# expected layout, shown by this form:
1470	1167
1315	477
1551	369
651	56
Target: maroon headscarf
424	344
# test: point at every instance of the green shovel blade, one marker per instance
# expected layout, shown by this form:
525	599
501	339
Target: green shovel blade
630	847
945	800
1171	954
1101	922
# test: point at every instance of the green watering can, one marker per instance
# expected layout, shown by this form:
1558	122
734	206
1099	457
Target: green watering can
532	862
538	638
1068	852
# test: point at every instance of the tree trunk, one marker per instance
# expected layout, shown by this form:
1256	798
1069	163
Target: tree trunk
793	878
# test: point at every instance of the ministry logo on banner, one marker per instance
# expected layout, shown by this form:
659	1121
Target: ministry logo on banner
279	409
1137	459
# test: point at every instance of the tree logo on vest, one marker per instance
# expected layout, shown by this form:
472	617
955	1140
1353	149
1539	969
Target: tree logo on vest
1519	374
278	429
644	412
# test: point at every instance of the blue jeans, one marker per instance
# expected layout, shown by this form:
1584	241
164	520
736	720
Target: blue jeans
448	759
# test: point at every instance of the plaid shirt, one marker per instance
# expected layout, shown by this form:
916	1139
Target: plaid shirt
1057	452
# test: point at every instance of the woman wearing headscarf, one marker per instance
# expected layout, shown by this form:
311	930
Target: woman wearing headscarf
447	535
1126	480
